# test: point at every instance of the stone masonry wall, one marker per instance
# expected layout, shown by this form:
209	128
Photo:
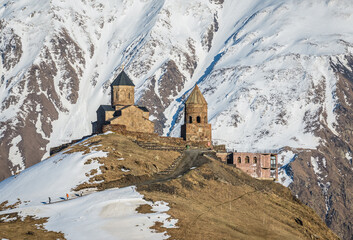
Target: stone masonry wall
197	132
134	120
194	111
123	95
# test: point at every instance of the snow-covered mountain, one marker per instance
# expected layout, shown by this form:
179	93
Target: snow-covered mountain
275	73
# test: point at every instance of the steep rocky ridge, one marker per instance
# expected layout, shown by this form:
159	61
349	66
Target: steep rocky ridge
322	177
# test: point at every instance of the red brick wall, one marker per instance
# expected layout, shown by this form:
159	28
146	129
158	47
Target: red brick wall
258	169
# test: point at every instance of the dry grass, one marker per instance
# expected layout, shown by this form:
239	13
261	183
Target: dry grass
27	228
216	201
141	163
4	205
145	208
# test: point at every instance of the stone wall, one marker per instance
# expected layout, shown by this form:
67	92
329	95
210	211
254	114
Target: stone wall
102	117
154	137
196	113
223	156
109	115
100	120
144	136
114	128
134	119
66	145
220	148
197	132
123	95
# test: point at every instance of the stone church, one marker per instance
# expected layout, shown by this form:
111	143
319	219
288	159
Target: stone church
196	127
123	111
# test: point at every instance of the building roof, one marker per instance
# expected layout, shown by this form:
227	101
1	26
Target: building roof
196	97
122	80
143	108
107	107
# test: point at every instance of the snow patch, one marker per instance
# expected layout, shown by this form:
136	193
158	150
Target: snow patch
15	155
108	132
53	177
324	162
314	163
110	214
8	219
285	174
349	157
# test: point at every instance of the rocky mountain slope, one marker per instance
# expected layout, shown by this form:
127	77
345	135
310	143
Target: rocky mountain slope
275	73
197	197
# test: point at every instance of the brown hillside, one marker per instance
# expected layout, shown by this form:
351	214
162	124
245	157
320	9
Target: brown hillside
215	201
211	200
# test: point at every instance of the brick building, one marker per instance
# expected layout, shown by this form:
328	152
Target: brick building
123	110
258	165
196	127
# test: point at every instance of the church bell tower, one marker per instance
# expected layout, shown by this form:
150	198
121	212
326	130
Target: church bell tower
196	127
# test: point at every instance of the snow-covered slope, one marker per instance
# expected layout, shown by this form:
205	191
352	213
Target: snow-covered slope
268	69
109	214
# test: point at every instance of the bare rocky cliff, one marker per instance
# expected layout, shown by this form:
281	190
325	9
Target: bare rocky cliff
322	177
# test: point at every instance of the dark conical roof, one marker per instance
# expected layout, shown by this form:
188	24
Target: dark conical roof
122	79
196	97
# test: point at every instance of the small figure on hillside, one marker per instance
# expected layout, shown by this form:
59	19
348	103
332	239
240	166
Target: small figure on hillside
49	200
67	196
81	194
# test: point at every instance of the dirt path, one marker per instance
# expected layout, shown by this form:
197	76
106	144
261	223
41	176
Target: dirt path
190	159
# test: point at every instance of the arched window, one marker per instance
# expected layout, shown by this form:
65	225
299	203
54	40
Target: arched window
129	96
122	95
273	161
247	159
255	159
239	159
198	119
190	119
